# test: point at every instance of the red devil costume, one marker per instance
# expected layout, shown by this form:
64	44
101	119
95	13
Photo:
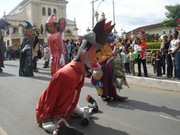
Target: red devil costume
62	94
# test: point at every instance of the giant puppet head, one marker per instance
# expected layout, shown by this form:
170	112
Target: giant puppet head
52	24
93	41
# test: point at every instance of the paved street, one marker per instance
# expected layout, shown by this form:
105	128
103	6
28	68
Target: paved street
147	111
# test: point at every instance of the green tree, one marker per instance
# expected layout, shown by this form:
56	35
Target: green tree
172	14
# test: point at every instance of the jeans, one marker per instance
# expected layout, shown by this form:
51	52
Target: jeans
177	64
169	65
163	56
143	62
159	71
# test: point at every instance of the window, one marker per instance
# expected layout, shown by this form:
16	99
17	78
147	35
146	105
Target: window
54	10
43	11
49	11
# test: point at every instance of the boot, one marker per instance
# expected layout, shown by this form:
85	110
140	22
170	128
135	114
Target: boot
83	113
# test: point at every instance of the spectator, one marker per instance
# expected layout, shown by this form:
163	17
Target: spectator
69	49
137	47
132	60
169	59
164	52
175	51
159	63
153	62
143	48
125	57
41	28
12	51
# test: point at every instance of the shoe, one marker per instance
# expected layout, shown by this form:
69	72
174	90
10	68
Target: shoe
64	128
120	98
85	118
49	127
107	99
93	103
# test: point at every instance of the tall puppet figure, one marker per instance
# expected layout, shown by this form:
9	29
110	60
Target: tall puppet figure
55	43
60	98
106	80
26	52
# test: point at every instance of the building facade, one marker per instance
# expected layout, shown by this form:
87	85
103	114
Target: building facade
156	29
36	12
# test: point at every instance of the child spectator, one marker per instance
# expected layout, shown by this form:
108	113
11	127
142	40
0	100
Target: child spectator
159	63
143	48
153	61
132	60
125	58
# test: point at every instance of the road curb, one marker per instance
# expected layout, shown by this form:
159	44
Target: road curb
154	83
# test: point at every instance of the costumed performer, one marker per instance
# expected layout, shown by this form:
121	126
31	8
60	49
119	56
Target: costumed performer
55	44
2	51
26	52
60	99
112	69
35	50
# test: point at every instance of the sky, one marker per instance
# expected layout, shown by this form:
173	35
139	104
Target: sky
127	14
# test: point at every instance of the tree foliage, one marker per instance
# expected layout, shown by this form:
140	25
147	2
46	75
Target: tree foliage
172	15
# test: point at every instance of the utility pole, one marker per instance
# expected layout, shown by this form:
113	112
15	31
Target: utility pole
115	32
93	12
114	17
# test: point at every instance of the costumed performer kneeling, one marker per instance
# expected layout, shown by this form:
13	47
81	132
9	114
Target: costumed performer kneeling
60	99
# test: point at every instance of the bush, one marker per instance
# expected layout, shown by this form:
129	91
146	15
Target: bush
153	45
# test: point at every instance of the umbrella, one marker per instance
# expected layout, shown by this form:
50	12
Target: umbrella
3	24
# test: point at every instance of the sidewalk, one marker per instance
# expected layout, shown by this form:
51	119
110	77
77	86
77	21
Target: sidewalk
151	81
154	81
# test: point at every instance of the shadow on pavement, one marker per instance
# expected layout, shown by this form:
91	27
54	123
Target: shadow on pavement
43	78
11	65
93	128
4	74
133	105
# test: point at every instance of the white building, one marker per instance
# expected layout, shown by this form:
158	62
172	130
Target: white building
36	12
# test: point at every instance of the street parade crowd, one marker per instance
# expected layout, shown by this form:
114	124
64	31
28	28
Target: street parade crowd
94	55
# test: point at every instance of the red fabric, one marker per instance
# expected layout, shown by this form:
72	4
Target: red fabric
60	97
143	45
107	25
113	45
56	48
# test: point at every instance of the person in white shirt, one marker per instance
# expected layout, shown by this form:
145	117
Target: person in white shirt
175	52
137	48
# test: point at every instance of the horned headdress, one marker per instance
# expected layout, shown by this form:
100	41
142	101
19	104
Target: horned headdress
100	33
98	36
